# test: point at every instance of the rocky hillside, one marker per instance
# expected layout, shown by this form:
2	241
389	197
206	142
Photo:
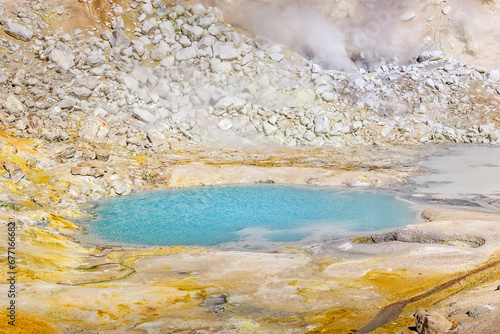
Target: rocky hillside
150	76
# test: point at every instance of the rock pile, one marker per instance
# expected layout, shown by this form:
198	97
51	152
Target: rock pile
182	76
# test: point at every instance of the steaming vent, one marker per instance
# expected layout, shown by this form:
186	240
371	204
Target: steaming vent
348	35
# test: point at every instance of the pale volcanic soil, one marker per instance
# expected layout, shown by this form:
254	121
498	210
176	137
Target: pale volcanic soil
108	98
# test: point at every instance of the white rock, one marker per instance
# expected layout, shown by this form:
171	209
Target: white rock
89	82
269	129
186	53
138	47
346	246
359	82
225	124
106	35
158	55
429	82
309	135
220	67
167	62
406	17
95	58
322	124
149	25
229	103
277	48
198	10
93	127
18	31
486	128
157	139
146	8
162	88
195	33
144	115
118	23
82	93
62	58
447	10
185	41
120	187
13	105
119	39
228	52
276	56
328	96
356	126
131	83
493	75
430	56
167	29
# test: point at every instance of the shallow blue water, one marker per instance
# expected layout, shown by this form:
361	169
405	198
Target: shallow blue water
209	216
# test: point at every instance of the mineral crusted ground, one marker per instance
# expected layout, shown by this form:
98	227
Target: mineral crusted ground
106	98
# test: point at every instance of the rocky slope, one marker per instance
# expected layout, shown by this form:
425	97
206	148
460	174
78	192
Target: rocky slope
175	76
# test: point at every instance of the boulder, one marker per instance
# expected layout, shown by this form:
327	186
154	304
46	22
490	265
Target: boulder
322	124
93	127
431	322
157	139
149	25
89	83
162	88
406	17
146	8
120	187
16	173
230	103
479	311
106	35
269	129
186	53
102	155
18	31
309	135
93	168
430	56
62	58
167	29
82	93
493	75
228	52
13	105
119	39
144	115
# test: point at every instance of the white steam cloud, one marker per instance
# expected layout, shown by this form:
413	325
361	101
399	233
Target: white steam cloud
344	34
336	38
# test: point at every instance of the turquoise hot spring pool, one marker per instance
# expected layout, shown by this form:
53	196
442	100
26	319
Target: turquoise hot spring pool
245	216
